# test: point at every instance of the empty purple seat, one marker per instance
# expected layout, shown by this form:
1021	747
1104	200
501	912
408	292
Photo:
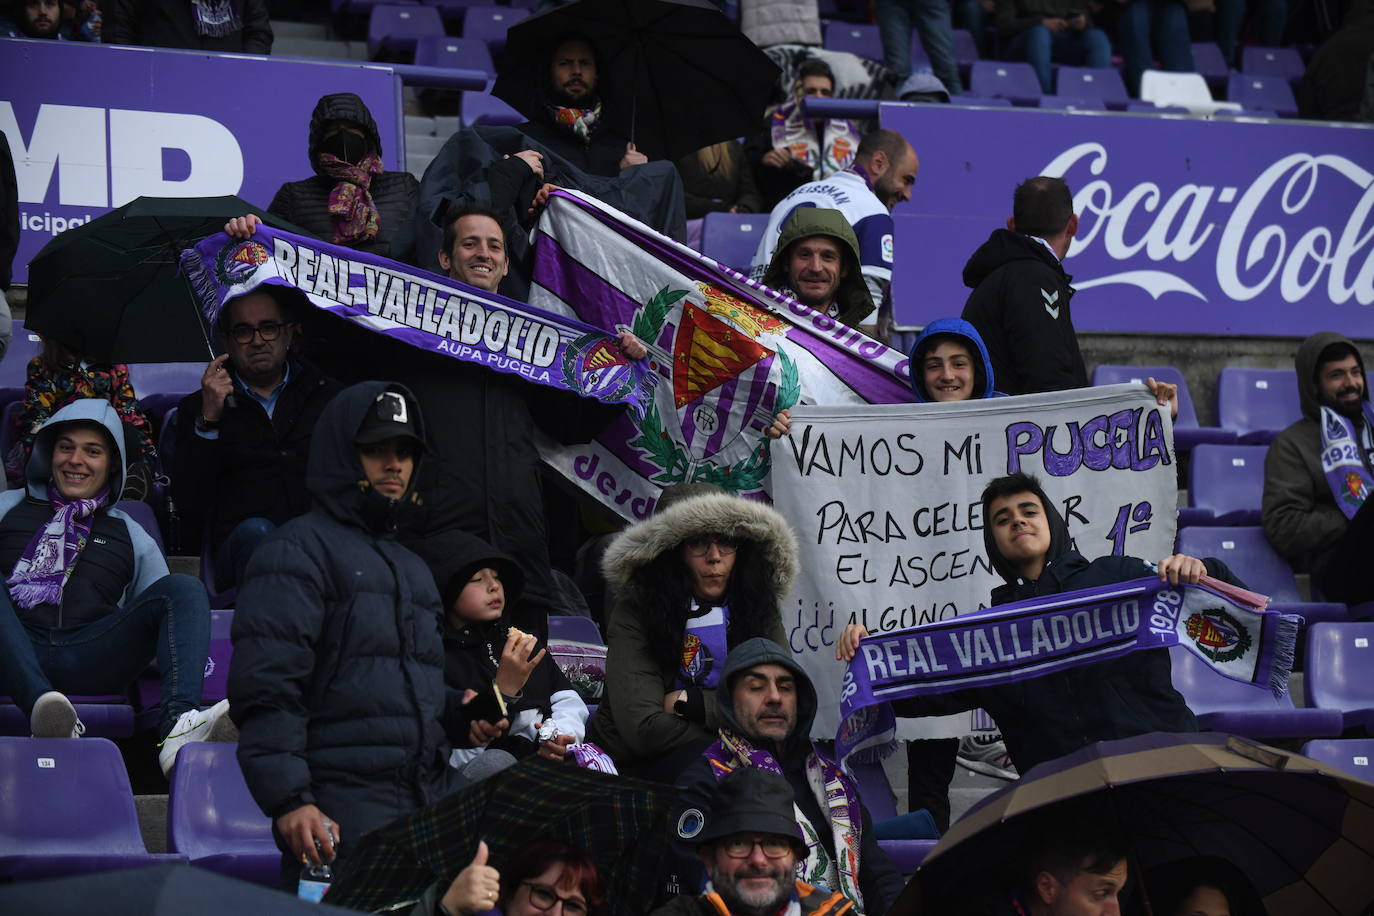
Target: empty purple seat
456	53
1139	107
965	48
1005	79
142	513
1092	83
212	819
1227	482
1257	404
67	807
216	684
395	29
1270	93
855	38
577	629
1224	705
1187	433
482	108
876	795
1285	63
105	716
1254	560
990	102
489	24
24	346
731	238
1352	755
1340	657
1208	61
1072	103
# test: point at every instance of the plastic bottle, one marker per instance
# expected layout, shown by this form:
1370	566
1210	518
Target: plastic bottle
315	881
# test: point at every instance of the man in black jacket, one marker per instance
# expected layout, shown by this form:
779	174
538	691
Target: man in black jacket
207	25
766	708
338	677
1020	298
243	438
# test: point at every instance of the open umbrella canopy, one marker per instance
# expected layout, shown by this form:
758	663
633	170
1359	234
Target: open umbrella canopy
111	289
676	75
159	890
620	822
1300	831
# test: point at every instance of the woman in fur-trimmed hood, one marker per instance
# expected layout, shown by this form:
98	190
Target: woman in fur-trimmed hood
703	575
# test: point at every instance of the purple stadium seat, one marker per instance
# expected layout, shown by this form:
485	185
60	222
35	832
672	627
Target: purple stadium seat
1207	60
142	513
212	819
489	24
1285	63
965	48
732	238
1353	755
1227	483
363	7
579	650
855	38
577	629
105	716
1072	103
1250	556
24	346
919	58
216	685
1249	710
1139	107
1092	83
395	29
1004	79
178	379
876	795
482	108
67	807
989	102
1340	657
1271	93
458	53
1257	404
1187	433
454	10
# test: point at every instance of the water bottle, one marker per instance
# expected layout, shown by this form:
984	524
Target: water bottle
315	881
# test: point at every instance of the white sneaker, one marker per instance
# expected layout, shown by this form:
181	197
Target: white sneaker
54	716
986	754
194	725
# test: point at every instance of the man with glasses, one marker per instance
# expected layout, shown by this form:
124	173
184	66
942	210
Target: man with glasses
243	438
765	705
750	845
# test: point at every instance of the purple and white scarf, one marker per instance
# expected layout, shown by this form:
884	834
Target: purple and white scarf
217	18
838	798
825	145
1343	458
1227	627
703	649
591	757
47	563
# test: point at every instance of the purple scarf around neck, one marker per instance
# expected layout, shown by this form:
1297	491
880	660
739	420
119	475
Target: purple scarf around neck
1344	446
50	558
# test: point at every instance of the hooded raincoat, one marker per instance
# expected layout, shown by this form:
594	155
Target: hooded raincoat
852	300
879	882
337	684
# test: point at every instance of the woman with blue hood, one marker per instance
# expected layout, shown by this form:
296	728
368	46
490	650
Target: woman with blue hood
88	598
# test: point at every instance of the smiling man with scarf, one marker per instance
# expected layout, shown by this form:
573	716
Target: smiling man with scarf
88	599
765	711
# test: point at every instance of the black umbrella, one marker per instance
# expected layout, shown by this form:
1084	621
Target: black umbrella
160	890
676	74
111	289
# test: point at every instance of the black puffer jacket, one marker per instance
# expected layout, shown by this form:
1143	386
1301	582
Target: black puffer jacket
337	683
171	24
1020	306
1050	716
306	203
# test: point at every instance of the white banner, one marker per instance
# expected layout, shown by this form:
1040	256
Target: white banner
885	501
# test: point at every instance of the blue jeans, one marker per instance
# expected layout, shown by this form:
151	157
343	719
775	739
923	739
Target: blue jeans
231	559
1230	16
170	618
1163	22
1038	46
931	19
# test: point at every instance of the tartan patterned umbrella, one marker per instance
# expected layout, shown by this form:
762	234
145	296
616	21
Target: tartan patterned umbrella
1302	832
621	822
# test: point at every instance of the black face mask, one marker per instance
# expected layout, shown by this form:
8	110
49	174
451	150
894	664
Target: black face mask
344	145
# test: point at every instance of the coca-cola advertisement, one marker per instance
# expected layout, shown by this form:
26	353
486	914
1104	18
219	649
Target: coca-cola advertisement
1186	225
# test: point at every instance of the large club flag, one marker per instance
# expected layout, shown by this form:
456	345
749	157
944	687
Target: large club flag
729	353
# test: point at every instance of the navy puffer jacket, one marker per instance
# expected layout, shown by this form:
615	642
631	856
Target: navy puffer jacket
337	683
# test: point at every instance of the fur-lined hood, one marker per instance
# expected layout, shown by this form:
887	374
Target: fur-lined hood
638	545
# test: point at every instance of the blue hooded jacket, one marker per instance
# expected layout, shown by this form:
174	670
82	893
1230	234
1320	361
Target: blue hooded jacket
984	384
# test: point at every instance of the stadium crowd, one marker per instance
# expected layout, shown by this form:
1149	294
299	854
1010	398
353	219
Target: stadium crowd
380	513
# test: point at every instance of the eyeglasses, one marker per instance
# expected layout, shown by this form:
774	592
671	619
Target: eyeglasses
701	545
739	847
268	331
543	897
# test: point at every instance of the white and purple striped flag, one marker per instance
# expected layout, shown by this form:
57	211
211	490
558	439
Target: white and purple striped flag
730	354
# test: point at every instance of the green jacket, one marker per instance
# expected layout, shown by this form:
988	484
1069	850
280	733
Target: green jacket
855	304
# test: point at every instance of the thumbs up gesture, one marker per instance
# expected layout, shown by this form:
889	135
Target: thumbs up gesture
477	887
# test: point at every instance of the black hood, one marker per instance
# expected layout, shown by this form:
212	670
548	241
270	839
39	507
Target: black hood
453	556
334	475
341	106
1309	392
1003	247
1060	541
760	651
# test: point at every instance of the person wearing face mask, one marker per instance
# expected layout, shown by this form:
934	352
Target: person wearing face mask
350	200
